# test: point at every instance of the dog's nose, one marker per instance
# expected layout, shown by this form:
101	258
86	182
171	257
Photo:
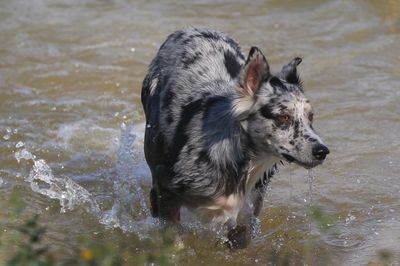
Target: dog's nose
320	151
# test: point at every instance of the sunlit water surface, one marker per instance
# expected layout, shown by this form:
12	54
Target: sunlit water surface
71	124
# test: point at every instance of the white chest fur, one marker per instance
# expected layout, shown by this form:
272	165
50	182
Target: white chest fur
227	208
257	170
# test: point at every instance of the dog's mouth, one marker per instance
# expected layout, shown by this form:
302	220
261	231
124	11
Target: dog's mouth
288	158
306	165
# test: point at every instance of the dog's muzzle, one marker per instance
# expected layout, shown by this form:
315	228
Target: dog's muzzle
319	153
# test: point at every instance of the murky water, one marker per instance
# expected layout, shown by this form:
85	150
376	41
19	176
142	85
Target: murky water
71	124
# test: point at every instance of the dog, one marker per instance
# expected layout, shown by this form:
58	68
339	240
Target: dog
217	125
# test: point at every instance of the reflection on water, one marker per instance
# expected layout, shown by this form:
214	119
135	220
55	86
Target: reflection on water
71	123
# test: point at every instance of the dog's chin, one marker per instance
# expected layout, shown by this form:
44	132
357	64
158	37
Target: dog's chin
307	165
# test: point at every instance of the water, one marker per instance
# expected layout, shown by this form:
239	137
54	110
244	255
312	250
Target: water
310	181
71	123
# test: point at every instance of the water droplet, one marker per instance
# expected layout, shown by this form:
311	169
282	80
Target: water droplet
20	144
23	154
358	181
133	49
349	219
6	137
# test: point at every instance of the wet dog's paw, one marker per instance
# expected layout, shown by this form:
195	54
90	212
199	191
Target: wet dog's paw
239	237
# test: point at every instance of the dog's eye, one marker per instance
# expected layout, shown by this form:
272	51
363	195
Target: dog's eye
283	119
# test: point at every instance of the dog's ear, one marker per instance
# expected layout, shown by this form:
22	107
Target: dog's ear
289	71
254	72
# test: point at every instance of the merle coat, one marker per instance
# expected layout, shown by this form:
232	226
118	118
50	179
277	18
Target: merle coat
217	123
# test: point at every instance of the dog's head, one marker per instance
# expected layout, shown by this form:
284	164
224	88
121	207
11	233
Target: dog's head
276	114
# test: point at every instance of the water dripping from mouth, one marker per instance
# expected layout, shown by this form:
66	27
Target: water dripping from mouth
310	180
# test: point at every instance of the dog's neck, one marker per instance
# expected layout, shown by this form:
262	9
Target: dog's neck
257	167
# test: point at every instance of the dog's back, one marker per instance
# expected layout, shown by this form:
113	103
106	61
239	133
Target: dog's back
187	96
182	71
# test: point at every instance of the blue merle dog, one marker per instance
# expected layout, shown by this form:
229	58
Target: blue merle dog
217	125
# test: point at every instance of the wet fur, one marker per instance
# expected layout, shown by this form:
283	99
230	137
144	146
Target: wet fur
213	137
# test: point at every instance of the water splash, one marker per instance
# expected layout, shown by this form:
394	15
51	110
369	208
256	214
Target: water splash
8	134
64	189
129	210
24	154
20	144
124	213
129	183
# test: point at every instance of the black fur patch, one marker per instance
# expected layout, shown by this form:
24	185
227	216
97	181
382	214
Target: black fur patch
203	157
231	64
293	78
266	112
236	47
189	59
170	119
178	35
296	129
276	83
210	35
168	98
309	138
282	107
216	121
180	137
187	41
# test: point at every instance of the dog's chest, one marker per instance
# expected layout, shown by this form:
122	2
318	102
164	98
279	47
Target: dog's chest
228	207
257	170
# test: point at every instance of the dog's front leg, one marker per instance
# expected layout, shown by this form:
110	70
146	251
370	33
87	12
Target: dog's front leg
239	236
165	205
